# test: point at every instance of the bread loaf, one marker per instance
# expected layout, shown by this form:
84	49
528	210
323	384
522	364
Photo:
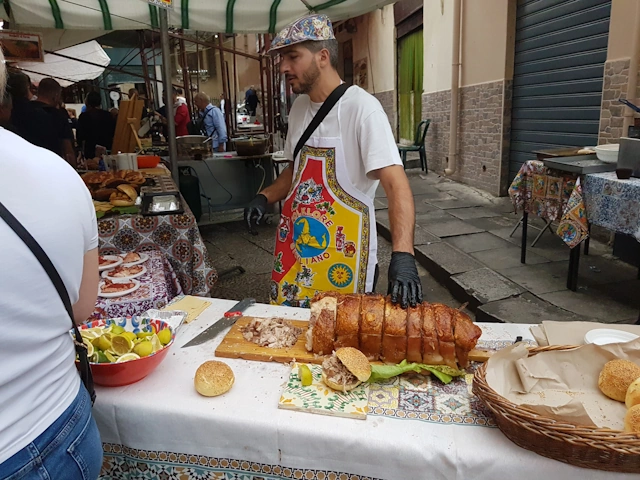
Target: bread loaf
434	334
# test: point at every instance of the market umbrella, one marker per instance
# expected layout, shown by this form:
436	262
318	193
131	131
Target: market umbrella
228	16
66	70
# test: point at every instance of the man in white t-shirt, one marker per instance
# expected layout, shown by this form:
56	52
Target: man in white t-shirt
46	426
326	239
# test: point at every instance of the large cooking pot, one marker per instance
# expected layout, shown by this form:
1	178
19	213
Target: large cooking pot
192	145
251	146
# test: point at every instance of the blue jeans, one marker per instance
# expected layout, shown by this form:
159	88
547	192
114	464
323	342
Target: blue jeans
70	449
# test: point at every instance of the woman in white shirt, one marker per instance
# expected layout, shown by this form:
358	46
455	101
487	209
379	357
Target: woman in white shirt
45	414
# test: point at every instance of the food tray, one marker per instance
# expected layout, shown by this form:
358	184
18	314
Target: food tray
580	164
147	208
582	446
160	185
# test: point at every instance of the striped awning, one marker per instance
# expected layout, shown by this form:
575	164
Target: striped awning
228	16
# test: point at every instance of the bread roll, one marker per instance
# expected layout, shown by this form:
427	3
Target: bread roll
633	394
632	420
616	377
213	378
346	369
347	321
322	324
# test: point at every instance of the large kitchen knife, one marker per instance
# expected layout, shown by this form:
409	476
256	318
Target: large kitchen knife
230	317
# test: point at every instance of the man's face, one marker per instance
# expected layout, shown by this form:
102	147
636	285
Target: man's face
200	103
300	67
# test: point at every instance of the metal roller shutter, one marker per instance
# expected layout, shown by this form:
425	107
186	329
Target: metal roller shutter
561	47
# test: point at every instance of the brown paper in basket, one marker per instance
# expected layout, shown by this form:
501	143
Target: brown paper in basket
561	384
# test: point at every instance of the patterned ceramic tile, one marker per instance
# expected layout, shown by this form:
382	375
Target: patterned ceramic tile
318	398
383	396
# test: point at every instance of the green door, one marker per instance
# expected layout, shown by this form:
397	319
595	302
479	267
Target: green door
410	61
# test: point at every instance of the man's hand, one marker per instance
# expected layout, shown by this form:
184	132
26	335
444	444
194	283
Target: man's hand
404	283
255	211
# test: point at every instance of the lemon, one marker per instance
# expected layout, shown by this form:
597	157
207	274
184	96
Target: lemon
89	334
144	349
110	357
89	345
95	357
121	344
144	334
306	377
130	335
117	330
155	343
104	342
164	336
126	357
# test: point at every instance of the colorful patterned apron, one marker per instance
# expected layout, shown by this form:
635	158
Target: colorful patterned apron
326	240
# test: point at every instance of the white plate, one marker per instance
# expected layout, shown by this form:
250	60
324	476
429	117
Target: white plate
142	272
143	258
118	294
118	261
604	336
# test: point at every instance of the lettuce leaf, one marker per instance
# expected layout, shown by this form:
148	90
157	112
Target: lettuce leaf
443	372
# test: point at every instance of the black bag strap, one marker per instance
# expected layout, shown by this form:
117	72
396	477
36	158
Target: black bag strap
39	253
317	119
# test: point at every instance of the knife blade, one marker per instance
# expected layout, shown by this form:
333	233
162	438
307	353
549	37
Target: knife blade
229	318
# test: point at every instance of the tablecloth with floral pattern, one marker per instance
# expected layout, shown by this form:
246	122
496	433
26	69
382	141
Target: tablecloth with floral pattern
541	191
158	286
604	200
176	236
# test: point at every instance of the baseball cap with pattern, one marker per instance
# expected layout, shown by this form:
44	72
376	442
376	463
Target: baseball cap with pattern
315	28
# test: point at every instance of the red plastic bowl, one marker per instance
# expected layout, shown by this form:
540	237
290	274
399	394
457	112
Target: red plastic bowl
148	161
126	373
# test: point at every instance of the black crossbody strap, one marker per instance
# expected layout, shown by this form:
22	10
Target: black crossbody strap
317	119
39	253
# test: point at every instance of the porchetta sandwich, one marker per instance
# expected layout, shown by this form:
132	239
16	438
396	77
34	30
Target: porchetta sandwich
345	369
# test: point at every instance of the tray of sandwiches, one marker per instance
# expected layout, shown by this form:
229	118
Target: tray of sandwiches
114	192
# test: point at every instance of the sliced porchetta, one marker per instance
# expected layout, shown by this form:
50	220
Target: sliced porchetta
430	347
414	333
271	332
348	321
371	320
394	333
444	327
320	335
466	334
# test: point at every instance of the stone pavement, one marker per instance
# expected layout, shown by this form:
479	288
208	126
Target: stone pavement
463	239
230	245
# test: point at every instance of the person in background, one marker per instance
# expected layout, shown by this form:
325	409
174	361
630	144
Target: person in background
28	121
212	122
6	105
251	100
222	104
47	427
60	135
114	113
132	92
181	113
95	126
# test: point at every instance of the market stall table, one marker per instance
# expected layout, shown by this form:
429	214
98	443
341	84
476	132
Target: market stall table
161	428
541	191
158	286
175	235
604	200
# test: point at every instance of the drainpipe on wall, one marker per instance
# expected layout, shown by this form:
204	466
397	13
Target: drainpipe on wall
452	159
633	74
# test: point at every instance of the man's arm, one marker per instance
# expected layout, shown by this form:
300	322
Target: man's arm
279	189
401	209
220	126
88	287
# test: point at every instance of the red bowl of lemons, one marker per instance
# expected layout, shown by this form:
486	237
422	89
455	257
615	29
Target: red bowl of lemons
124	350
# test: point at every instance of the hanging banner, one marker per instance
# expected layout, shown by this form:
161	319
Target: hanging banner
21	46
161	3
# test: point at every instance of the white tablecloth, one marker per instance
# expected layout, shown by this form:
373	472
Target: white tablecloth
163	415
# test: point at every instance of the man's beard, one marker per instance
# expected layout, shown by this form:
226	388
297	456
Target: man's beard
309	79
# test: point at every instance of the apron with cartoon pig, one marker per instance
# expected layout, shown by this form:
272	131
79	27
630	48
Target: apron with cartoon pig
326	239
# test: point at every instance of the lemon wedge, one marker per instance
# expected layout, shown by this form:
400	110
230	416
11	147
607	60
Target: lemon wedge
155	343
121	344
89	345
306	377
126	357
143	349
117	330
104	342
164	336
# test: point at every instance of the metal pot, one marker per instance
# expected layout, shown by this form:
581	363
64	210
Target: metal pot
251	146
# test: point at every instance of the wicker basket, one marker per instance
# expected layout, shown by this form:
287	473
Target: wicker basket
599	448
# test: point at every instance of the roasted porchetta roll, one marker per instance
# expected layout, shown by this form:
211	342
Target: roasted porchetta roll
430	333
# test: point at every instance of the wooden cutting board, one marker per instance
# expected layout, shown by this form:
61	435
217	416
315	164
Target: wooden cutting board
234	345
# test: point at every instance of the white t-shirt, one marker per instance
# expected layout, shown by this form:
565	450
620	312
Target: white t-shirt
366	134
38	378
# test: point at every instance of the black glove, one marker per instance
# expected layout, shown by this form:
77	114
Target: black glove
404	283
255	211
